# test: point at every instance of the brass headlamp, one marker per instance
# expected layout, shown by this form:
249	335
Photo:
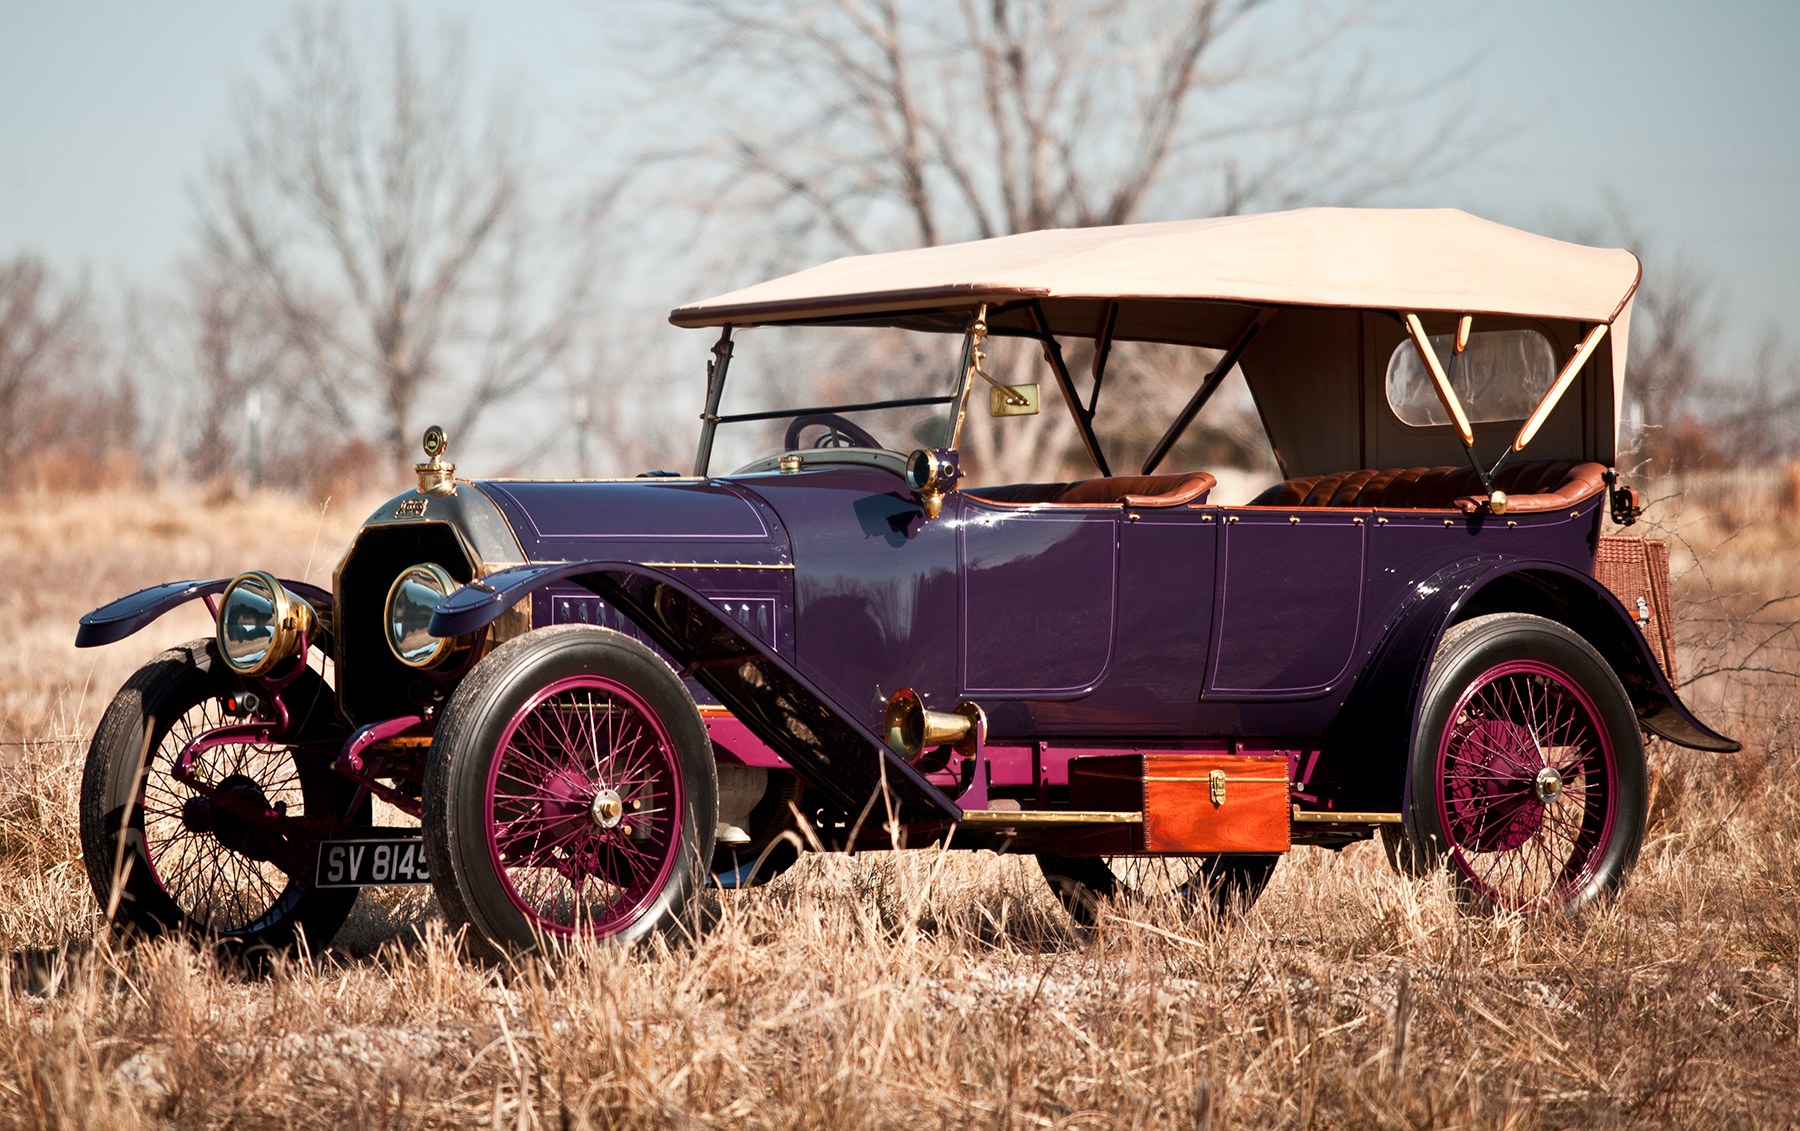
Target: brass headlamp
261	623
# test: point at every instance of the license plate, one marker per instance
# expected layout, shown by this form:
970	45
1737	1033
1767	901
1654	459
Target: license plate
371	861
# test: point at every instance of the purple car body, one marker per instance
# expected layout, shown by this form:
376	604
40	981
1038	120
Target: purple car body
594	694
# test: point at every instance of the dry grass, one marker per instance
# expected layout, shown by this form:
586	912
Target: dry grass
927	990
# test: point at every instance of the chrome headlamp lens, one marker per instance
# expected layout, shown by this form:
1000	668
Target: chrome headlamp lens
260	623
408	615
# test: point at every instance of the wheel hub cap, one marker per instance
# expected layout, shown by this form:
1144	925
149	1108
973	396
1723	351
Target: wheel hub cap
608	809
235	817
1549	784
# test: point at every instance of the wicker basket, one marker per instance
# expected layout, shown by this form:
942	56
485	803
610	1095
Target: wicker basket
1636	570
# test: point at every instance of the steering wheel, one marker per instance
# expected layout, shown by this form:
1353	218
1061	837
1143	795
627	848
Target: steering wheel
840	433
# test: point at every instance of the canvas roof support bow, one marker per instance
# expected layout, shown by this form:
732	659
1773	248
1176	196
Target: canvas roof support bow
1440	381
1084	417
1555	393
1208	387
1453	405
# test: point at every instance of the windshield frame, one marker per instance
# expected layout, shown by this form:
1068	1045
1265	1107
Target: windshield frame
975	330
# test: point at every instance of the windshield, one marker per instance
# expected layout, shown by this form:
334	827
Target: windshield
817	387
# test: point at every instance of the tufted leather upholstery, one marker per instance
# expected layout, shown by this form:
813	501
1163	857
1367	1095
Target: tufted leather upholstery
1118	490
1544	485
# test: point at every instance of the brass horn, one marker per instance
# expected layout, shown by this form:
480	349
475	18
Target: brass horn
911	728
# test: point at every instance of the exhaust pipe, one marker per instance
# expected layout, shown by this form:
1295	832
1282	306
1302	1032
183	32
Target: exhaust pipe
912	729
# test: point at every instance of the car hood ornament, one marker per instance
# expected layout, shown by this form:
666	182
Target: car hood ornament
435	476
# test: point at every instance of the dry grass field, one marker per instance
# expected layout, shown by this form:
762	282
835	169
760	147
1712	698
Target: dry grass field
926	989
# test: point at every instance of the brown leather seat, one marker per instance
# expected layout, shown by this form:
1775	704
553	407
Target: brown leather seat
1118	490
1542	485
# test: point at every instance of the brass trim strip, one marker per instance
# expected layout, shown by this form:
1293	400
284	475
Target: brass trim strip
1302	817
715	565
1008	817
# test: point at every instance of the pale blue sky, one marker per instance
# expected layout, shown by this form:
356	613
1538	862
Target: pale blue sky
1687	115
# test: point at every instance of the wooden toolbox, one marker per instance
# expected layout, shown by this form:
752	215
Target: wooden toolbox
1192	803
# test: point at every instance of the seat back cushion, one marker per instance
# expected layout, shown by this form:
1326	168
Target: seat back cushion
1537	486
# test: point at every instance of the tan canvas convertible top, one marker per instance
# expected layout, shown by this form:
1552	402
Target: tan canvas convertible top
1424	260
1344	288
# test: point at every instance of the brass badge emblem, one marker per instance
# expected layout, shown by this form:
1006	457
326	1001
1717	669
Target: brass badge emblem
411	508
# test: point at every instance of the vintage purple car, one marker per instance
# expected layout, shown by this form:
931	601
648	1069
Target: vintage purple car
592	696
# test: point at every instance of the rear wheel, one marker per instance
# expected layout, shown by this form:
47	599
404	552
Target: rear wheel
570	793
164	855
1226	883
1527	775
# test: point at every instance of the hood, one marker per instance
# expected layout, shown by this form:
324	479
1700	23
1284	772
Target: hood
643	520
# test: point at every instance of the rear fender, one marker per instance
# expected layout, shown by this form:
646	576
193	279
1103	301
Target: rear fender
833	752
1375	728
1577	600
118	619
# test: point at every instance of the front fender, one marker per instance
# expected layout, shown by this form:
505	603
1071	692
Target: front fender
118	619
836	754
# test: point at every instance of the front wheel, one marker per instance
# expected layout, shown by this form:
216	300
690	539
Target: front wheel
570	793
1227	883
229	853
1527	773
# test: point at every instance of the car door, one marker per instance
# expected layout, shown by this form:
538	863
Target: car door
1040	592
876	589
1289	601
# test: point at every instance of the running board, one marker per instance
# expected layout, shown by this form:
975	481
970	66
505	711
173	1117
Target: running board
1013	817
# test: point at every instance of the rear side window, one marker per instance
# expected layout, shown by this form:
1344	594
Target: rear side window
1502	375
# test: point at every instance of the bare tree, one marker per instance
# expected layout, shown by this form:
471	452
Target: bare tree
385	222
1695	394
237	404
857	125
56	404
1674	342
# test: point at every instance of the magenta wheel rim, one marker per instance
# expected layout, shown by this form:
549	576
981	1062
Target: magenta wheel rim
583	807
1526	786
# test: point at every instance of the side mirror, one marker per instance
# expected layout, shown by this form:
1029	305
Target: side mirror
1013	400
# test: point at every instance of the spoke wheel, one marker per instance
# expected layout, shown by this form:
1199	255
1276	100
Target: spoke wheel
583	798
570	794
210	862
1225	884
1528	769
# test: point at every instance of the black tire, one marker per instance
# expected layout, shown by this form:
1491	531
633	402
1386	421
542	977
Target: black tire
526	797
1229	884
182	865
1527	775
